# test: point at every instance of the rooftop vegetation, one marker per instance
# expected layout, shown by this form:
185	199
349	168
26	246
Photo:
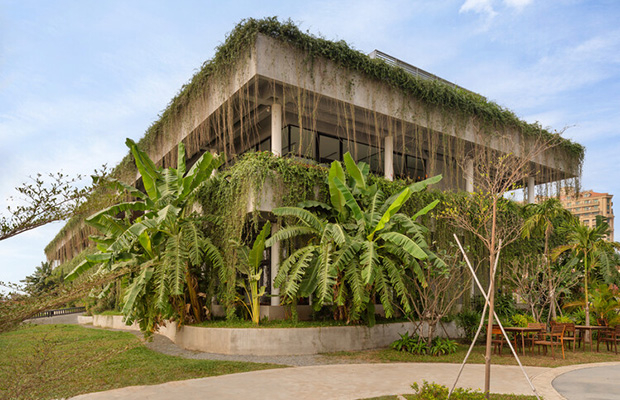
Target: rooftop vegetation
432	93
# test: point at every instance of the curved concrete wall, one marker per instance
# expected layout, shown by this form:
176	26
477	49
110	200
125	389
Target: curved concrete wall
278	341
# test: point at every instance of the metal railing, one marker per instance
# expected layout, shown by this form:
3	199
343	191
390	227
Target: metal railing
415	71
62	311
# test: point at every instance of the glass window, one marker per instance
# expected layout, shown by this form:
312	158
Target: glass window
301	145
265	145
415	168
329	149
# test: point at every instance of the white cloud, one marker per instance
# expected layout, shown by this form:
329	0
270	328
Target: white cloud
518	4
479	6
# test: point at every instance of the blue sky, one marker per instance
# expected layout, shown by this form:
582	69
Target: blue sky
78	77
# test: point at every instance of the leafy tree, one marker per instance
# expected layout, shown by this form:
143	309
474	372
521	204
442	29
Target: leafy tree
540	222
42	279
356	247
158	235
588	247
46	199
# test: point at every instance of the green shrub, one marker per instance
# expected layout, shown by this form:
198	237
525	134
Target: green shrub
564	319
442	346
434	391
579	316
416	345
505	305
411	344
522	319
468	320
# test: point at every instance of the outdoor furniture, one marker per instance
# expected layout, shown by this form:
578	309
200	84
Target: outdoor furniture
523	332
552	339
590	328
538	329
569	333
609	336
497	339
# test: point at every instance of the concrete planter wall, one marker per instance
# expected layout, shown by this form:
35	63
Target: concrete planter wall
278	341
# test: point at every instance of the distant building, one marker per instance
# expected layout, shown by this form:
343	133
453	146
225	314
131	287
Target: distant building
587	204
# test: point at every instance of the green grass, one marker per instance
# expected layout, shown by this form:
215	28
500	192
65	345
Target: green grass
57	361
494	396
477	357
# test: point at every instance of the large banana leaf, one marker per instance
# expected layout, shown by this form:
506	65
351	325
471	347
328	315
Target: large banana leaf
147	169
393	208
354	171
336	197
349	199
419	186
305	216
136	288
406	243
255	256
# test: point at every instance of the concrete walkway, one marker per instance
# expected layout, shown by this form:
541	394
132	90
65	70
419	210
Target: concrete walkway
310	380
590	381
353	381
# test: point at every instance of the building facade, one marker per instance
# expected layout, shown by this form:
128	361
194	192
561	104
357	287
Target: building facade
587	205
274	88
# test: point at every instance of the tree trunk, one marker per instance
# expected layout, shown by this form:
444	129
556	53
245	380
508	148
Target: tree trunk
587	308
489	344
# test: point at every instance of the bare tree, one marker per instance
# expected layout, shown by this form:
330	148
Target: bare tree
445	284
486	212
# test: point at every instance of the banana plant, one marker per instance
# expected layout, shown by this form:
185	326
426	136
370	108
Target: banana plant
361	247
249	266
158	237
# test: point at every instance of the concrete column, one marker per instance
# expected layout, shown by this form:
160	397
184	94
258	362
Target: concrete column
275	263
276	129
388	166
531	195
469	175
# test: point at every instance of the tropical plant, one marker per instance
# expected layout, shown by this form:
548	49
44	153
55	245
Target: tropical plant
540	222
159	236
41	280
468	320
605	303
522	319
443	346
588	247
249	266
358	247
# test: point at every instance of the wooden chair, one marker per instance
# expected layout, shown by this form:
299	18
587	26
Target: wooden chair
533	336
611	336
569	334
553	339
497	339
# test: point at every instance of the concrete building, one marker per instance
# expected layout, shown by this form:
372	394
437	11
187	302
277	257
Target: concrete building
271	87
587	205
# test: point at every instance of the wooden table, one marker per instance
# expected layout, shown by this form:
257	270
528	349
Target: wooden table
521	331
589	328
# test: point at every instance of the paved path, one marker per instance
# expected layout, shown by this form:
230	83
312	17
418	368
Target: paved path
311	378
326	382
595	381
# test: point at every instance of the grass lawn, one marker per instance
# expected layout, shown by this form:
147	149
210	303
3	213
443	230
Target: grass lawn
494	396
57	361
477	357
